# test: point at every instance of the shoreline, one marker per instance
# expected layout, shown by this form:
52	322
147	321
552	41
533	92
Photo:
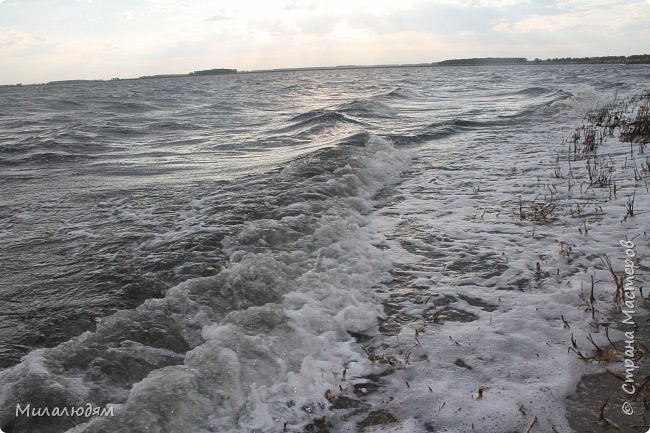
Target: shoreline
595	327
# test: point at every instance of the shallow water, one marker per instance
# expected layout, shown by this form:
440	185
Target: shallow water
210	253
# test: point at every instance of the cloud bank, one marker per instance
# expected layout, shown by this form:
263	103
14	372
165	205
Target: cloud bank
43	40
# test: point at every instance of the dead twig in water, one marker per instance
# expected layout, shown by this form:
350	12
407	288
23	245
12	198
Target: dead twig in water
532	424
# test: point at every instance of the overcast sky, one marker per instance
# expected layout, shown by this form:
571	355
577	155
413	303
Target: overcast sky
44	40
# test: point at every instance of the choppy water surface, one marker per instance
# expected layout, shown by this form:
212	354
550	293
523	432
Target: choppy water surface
209	254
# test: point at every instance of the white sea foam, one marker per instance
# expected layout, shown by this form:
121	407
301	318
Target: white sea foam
271	328
460	247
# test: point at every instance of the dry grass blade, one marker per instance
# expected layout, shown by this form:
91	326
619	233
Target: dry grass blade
618	280
629	207
607	420
532	425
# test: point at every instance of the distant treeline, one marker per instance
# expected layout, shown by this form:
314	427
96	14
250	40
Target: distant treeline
148	77
220	71
73	81
635	59
484	61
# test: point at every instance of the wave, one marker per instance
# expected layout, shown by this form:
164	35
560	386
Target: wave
170	125
58	147
398	93
61	104
111	129
423	137
448	128
48	158
128	107
229	351
533	91
321	115
316	121
367	108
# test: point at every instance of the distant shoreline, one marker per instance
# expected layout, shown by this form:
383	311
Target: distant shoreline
642	59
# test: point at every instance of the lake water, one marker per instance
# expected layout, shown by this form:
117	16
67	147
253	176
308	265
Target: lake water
210	254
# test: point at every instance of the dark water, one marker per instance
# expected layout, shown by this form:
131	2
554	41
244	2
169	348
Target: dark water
214	234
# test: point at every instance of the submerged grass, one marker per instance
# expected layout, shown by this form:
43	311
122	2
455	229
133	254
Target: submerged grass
584	189
628	120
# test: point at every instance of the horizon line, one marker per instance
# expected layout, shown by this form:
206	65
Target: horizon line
462	61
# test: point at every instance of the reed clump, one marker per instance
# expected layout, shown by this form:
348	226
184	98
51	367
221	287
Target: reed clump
585	141
539	209
637	128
